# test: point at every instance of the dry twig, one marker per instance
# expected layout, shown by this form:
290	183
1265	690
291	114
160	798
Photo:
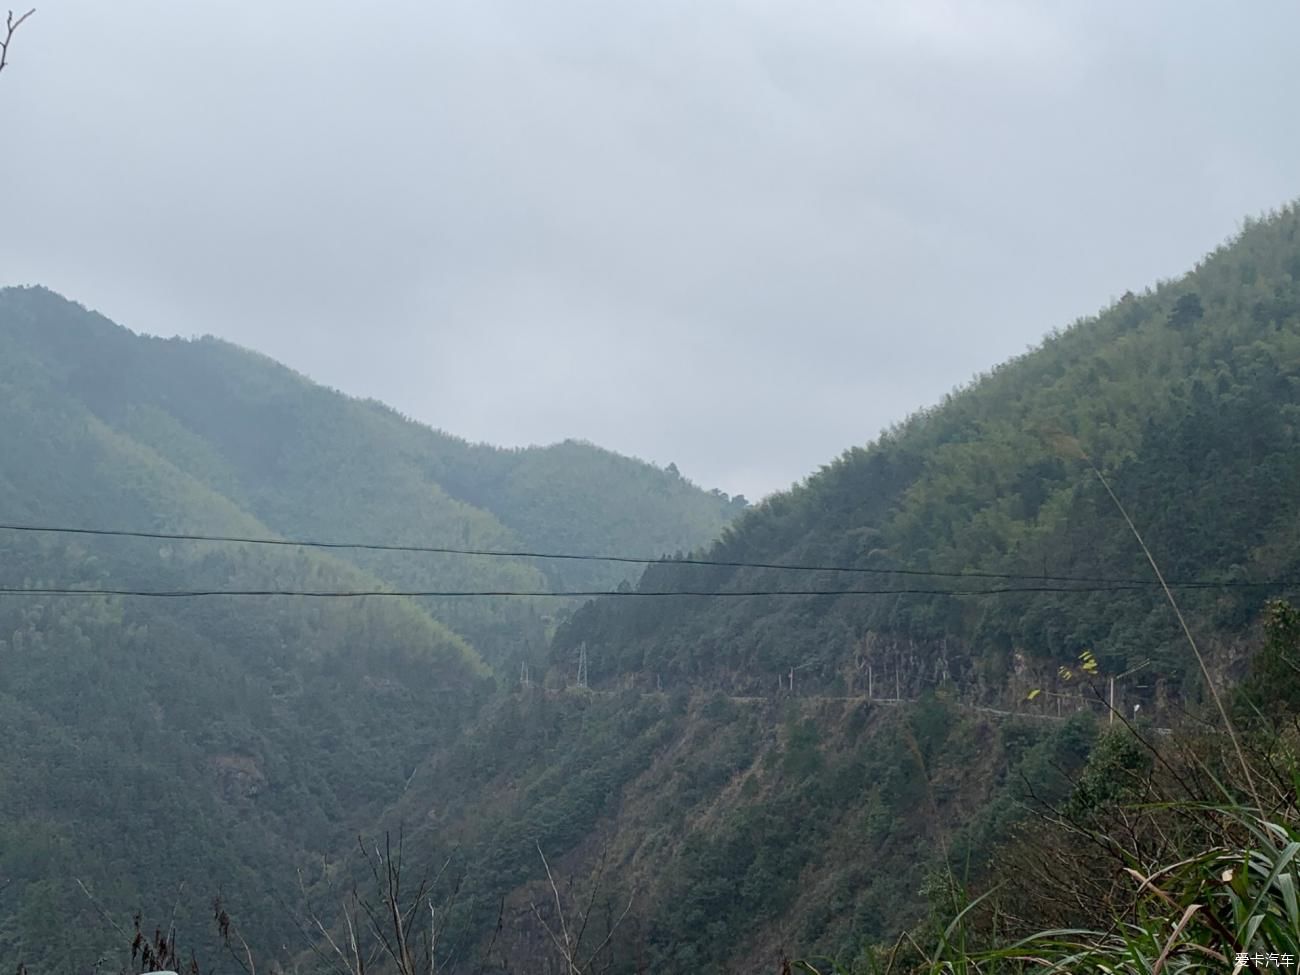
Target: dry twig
12	24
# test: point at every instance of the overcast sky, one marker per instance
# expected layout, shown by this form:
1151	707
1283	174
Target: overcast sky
740	236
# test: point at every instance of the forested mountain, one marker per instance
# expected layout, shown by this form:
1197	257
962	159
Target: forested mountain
747	776
1185	396
744	817
302	461
219	742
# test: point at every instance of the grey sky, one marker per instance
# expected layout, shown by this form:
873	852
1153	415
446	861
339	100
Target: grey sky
740	236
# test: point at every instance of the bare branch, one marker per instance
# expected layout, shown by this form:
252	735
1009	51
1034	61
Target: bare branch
12	24
393	876
591	902
226	928
352	942
91	897
612	931
347	966
568	948
560	945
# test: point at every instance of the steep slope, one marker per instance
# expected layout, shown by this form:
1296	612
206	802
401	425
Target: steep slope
749	816
740	816
150	744
308	462
1186	397
221	743
724	832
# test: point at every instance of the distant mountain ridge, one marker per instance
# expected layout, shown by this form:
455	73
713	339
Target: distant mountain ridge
750	818
307	461
232	738
740	819
1186	396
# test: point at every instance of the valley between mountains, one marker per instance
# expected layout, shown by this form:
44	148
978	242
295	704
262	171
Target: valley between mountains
793	733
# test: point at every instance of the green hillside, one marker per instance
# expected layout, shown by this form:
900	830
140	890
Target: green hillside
736	828
221	743
305	461
746	819
697	813
1186	397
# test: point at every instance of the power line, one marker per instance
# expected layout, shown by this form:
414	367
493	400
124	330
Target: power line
627	559
544	594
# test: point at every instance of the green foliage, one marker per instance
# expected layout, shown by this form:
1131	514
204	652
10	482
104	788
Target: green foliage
801	756
1229	907
1112	776
274	731
1270	692
1158	860
1197	429
1187	310
153	746
1184	396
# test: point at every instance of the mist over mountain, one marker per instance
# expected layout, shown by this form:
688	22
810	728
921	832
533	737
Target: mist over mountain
766	776
747	775
356	618
220	742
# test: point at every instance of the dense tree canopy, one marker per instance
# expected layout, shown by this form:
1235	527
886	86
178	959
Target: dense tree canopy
738	815
223	742
1186	397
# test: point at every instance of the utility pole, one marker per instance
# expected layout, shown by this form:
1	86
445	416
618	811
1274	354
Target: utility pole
869	682
1131	670
582	665
524	680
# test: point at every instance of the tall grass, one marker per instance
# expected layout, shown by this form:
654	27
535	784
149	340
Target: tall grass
1230	905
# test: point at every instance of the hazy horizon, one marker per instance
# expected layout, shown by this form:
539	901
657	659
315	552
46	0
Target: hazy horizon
738	238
